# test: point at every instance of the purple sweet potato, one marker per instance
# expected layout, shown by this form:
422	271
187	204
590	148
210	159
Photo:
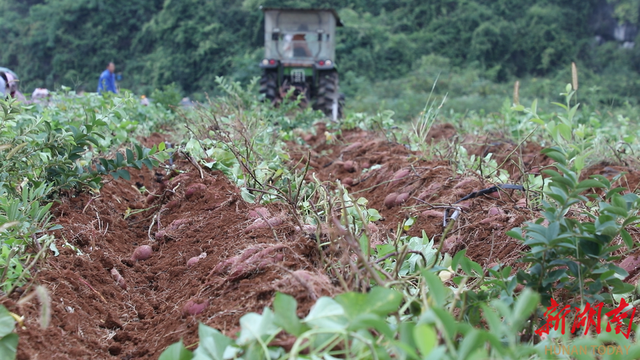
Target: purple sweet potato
390	200
222	267
261	224
400	174
119	279
259	212
349	166
451	243
172	204
194	260
142	253
351	147
194	307
465	182
630	264
309	229
400	199
177	223
348	181
195	190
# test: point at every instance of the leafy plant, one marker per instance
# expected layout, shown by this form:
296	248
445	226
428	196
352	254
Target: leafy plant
8	339
168	97
572	246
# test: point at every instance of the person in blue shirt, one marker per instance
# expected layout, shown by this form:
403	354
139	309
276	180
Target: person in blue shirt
107	81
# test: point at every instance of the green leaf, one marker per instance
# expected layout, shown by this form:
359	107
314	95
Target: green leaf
255	326
119	160
459	255
139	151
555	155
380	301
406	339
437	291
247	196
176	351
212	344
284	307
162	146
447	321
524	307
627	238
326	313
130	157
105	164
516	233
9	346
565	131
493	320
124	174
148	163
369	321
589	183
7	322
470	343
425	338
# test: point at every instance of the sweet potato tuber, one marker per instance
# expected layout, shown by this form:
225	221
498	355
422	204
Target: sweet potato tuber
194	260
194	307
433	213
142	253
390	200
261	224
119	279
172	204
351	147
400	174
349	166
194	190
177	223
400	199
259	212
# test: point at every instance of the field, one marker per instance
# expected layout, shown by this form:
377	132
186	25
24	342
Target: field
233	229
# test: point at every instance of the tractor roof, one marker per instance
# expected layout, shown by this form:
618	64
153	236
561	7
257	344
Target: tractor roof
332	11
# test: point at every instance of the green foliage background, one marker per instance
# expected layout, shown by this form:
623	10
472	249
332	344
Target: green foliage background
189	42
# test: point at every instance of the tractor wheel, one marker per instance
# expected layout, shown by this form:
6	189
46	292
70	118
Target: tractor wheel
328	97
268	85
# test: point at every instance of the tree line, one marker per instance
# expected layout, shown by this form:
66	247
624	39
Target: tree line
190	42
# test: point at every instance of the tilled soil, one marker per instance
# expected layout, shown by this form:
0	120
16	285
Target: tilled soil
162	299
93	317
375	167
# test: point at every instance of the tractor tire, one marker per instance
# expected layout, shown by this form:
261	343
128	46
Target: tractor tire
269	85
328	94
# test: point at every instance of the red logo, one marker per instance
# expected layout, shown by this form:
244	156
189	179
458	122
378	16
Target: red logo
590	315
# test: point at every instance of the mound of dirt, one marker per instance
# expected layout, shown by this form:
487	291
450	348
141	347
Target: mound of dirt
94	317
400	184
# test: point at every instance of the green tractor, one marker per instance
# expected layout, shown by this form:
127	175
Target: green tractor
300	54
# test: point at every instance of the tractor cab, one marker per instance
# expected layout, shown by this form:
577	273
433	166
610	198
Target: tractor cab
300	53
300	37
